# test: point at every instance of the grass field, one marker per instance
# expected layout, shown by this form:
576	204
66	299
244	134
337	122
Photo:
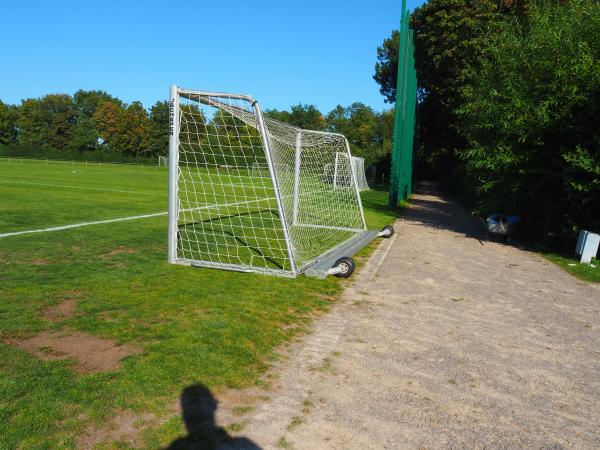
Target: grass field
189	325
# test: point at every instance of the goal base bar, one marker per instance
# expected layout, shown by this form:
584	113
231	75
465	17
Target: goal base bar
322	268
232	267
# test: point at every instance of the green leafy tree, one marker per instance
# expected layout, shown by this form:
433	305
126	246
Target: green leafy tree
135	126
386	68
85	134
307	117
87	102
158	132
282	116
359	123
8	123
531	120
47	122
450	38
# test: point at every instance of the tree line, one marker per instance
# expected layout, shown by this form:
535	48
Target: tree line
89	121
509	108
94	124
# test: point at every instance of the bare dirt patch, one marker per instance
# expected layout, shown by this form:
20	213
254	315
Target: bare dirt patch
234	398
124	427
117	251
64	310
40	262
90	353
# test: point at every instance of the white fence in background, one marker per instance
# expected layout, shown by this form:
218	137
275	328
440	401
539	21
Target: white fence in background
76	163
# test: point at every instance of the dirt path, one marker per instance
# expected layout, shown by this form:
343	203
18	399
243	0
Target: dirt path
446	343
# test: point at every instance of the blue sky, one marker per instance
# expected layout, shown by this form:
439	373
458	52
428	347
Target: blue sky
282	53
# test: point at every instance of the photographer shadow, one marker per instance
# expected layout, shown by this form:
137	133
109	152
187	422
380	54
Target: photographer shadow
198	408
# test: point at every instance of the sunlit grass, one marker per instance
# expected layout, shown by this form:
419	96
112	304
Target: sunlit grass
213	327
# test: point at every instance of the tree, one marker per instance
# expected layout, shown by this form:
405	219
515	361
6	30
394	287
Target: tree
449	38
135	128
47	122
359	123
122	129
107	120
307	117
158	133
282	116
531	120
87	102
85	134
8	123
386	68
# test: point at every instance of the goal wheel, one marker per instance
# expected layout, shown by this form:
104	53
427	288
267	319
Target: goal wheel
387	232
346	266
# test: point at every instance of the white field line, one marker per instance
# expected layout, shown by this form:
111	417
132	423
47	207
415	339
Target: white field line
83	224
385	253
122	219
82	187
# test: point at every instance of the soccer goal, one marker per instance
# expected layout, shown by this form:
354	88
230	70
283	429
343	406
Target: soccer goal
359	169
338	174
248	193
163	161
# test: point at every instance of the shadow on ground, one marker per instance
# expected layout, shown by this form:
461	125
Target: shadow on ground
433	211
198	407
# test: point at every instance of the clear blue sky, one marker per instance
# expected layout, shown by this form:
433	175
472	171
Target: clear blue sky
319	52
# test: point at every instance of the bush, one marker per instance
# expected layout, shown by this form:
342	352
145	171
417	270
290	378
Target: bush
532	121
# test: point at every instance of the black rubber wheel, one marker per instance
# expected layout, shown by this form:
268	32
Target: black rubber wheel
390	231
347	265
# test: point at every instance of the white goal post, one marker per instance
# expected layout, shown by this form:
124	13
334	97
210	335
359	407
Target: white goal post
249	193
163	161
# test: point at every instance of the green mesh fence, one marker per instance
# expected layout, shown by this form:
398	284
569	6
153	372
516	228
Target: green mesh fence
404	123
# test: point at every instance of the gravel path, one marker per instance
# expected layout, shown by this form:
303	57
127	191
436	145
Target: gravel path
444	342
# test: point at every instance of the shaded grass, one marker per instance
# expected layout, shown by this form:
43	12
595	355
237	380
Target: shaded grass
196	326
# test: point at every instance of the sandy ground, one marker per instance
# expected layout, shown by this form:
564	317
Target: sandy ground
443	341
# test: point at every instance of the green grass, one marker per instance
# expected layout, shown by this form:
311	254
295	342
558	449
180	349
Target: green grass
195	326
582	271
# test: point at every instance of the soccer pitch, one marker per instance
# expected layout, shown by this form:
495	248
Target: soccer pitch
41	194
190	325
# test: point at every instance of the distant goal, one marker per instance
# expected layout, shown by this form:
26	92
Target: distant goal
337	172
252	194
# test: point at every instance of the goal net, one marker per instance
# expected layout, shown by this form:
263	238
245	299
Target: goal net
250	193
359	169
